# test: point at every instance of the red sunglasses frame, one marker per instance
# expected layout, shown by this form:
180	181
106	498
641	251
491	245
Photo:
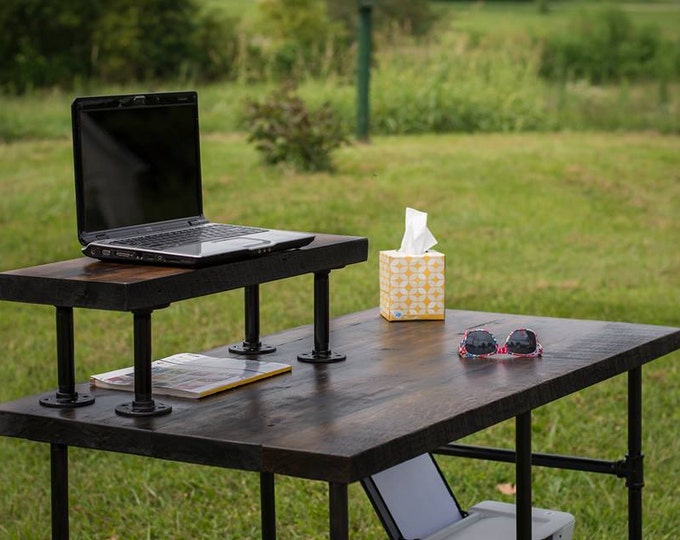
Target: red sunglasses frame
464	353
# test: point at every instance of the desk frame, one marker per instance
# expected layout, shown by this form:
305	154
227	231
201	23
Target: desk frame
143	403
631	468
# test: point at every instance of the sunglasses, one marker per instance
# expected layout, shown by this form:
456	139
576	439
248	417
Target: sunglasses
480	343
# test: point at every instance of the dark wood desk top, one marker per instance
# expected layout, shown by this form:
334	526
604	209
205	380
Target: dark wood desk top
402	391
87	283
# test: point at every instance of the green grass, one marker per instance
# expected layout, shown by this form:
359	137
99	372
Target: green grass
572	224
511	18
563	224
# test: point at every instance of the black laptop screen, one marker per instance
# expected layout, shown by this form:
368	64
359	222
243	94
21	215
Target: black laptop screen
138	165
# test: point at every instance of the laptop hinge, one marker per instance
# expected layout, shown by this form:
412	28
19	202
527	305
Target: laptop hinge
197	221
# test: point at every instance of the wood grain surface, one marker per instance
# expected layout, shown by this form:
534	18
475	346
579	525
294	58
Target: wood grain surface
402	391
87	283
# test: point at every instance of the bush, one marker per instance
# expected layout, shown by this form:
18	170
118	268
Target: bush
301	39
605	46
463	87
285	131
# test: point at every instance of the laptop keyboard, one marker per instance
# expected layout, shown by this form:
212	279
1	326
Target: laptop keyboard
169	239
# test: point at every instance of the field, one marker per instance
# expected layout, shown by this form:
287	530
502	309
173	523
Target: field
573	222
577	225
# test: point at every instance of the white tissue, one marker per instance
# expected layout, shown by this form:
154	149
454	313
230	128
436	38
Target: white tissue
417	237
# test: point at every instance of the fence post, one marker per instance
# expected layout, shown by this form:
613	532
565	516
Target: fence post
364	68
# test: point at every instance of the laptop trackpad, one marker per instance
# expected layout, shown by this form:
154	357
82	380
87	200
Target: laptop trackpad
240	242
218	247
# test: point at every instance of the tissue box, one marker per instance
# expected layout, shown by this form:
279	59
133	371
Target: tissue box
412	286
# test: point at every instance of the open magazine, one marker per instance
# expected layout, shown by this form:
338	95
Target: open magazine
192	375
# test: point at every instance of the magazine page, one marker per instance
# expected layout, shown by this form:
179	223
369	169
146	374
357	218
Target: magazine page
193	375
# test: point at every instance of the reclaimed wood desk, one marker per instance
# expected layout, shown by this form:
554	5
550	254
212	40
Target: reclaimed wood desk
402	391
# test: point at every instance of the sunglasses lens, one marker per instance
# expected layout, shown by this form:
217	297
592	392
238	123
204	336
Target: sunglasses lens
521	342
480	342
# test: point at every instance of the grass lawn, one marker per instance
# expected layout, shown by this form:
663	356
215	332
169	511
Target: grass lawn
577	225
508	18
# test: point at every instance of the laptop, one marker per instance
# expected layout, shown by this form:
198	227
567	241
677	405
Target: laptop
414	502
138	186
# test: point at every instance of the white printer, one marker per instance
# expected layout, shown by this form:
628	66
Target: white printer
414	502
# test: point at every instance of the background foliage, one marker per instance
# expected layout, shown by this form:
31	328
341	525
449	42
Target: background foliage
49	43
606	45
443	67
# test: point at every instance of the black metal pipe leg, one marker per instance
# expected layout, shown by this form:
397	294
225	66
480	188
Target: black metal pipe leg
339	511
321	353
251	344
634	459
523	475
59	487
143	404
66	396
268	506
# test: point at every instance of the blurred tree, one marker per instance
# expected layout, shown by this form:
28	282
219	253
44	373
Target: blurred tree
51	42
302	21
413	17
44	41
301	37
141	40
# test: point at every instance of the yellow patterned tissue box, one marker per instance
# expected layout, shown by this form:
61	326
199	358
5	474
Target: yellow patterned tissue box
412	286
